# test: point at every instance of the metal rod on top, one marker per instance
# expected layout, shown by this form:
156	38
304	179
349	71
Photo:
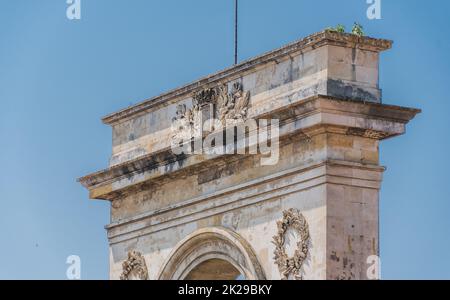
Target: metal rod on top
235	32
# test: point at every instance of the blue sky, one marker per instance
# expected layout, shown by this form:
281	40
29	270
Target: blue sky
59	77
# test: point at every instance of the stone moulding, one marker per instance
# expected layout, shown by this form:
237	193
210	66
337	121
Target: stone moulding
230	198
101	186
135	263
291	266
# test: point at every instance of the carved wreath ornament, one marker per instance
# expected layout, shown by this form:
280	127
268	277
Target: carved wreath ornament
292	219
134	264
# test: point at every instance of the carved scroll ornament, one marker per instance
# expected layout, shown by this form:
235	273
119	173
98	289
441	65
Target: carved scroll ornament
134	264
292	219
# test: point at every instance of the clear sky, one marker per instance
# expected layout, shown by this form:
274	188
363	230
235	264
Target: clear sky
58	77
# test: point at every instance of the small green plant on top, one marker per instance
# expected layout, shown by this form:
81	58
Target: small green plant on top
339	28
358	29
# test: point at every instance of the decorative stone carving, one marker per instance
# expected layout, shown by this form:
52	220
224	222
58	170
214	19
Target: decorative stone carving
135	264
227	106
232	106
288	266
182	124
117	203
204	97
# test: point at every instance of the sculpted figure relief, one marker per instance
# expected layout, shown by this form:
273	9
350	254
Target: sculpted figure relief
134	265
229	107
233	106
182	124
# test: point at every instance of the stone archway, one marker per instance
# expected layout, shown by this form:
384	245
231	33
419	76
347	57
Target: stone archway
214	269
207	250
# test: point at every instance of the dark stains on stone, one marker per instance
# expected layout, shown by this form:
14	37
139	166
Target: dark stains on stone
290	76
346	91
356	131
353	64
347	271
209	175
345	276
172	160
334	256
293	73
345	262
150	163
217	172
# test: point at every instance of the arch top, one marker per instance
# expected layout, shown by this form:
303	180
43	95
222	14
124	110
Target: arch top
211	243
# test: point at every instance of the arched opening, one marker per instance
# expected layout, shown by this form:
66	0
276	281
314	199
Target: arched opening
214	269
212	254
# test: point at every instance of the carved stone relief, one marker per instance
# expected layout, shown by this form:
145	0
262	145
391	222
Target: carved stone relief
232	106
204	97
229	107
291	266
182	124
134	265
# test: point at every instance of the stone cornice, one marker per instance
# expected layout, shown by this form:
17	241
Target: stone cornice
306	44
371	120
